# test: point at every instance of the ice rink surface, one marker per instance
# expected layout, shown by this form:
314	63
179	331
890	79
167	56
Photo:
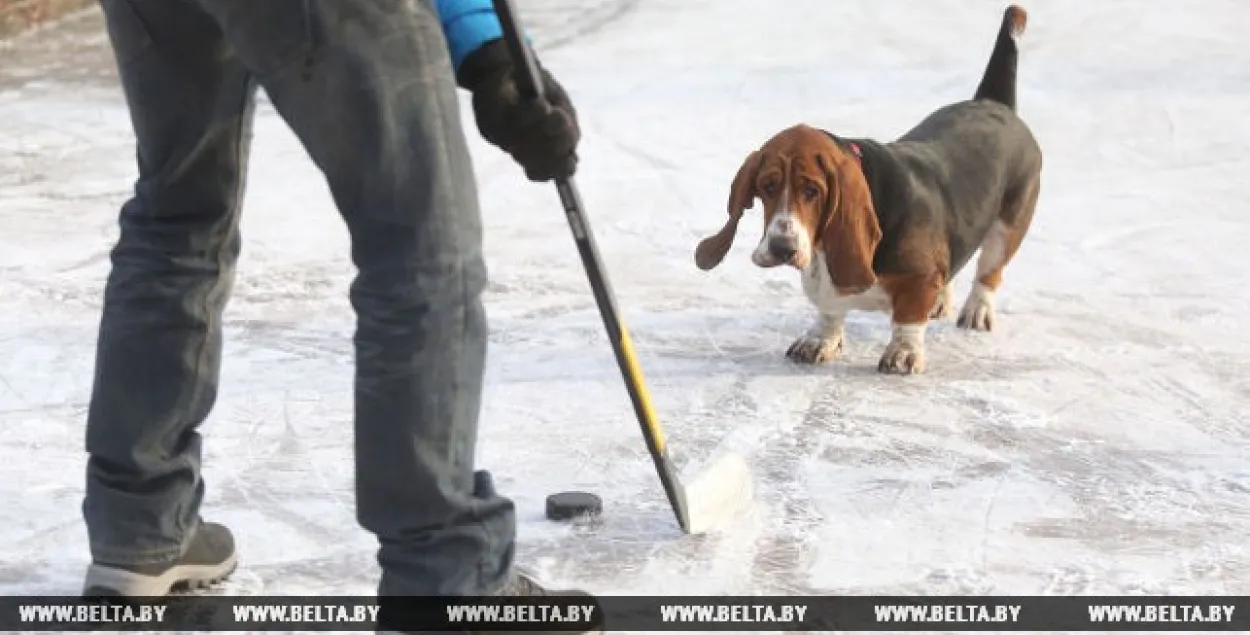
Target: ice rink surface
1096	442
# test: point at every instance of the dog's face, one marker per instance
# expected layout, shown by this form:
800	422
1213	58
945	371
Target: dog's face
794	188
814	196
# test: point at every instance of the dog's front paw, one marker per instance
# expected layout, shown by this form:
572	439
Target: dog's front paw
902	358
978	311
815	349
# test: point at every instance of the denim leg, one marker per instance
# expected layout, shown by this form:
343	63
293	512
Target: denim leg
159	347
367	86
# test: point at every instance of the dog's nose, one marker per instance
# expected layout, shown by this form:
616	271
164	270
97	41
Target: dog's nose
783	249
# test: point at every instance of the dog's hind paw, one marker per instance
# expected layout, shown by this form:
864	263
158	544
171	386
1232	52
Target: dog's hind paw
944	308
978	311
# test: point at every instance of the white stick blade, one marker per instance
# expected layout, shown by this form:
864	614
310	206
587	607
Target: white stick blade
719	493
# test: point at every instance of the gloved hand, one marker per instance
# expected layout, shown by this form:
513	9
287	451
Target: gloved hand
541	135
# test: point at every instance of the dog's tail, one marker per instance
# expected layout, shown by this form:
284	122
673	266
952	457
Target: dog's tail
999	81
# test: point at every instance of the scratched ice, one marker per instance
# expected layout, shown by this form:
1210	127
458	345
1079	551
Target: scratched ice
1095	443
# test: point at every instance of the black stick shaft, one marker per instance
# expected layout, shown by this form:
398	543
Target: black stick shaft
529	82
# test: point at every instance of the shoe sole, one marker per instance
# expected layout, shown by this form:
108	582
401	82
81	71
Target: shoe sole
106	581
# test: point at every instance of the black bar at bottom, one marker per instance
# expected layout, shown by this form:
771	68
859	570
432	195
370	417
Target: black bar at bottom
634	613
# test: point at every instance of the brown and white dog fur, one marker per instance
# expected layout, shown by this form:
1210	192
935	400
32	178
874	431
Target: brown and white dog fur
886	226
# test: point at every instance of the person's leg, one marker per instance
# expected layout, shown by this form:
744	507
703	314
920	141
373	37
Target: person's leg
159	347
367	87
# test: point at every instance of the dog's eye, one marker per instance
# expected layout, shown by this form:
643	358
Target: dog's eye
810	192
769	188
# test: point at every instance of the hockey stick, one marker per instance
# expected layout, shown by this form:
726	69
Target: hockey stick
721	490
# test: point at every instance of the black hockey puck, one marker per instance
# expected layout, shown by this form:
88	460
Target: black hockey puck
569	505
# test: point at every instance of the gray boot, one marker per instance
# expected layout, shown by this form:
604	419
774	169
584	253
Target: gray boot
209	559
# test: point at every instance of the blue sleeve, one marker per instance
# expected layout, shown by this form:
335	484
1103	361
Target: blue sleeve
467	25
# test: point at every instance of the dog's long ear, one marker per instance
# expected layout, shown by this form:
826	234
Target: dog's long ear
851	233
712	250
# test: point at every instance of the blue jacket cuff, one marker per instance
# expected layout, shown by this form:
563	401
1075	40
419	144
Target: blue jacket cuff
469	30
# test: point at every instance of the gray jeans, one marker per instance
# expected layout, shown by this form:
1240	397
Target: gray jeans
367	87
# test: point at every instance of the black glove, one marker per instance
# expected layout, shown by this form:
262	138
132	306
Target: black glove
541	134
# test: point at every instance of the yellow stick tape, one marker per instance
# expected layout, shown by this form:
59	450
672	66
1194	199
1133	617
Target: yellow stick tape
635	379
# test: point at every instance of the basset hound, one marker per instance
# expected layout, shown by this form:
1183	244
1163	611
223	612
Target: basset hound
886	226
